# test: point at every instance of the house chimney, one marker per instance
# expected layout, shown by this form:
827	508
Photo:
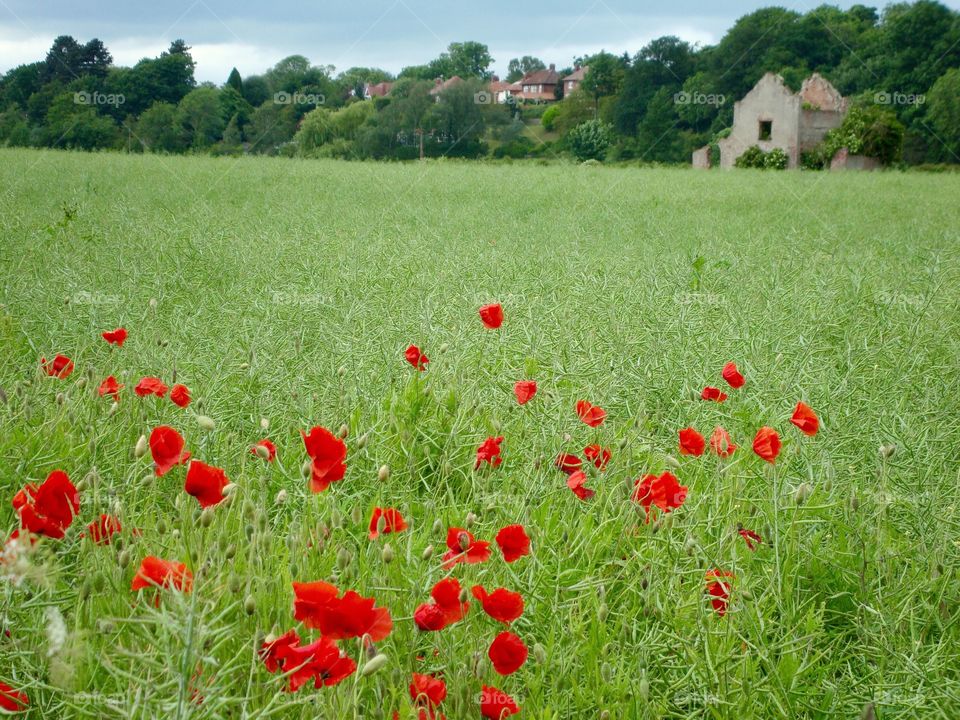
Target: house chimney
496	78
552	67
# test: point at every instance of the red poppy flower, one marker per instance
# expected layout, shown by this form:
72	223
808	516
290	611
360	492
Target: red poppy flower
166	448
60	367
12	700
663	492
329	454
268	446
158	573
180	395
712	393
496	704
766	444
110	386
444	609
502	604
568	463
205	483
691	442
150	386
718	587
513	542
720	442
524	390
577	483
275	652
427	691
102	529
806	419
318	606
492	315
416	358
592	415
489	452
463	548
49	509
115	337
320	661
600	456
732	375
750	537
393	522
507	653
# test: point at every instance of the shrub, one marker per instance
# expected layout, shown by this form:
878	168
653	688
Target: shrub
870	131
752	157
590	140
776	159
549	117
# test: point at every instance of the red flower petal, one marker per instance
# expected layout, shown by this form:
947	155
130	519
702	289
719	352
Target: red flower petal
592	415
329	454
489	452
567	463
524	390
732	375
805	419
269	446
691	442
416	358
464	548
720	442
111	387
496	704
60	367
49	509
393	522
12	700
766	444
205	483
180	395
115	337
714	394
102	529
150	386
577	483
166	448
502	604
492	315
154	572
664	492
513	542
750	537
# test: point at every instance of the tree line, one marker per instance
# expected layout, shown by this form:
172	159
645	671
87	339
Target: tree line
900	65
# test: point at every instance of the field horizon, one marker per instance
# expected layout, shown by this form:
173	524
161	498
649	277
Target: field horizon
283	293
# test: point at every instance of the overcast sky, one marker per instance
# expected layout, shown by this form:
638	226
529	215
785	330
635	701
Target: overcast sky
253	35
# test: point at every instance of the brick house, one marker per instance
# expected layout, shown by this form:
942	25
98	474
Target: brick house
540	85
376	90
772	116
572	81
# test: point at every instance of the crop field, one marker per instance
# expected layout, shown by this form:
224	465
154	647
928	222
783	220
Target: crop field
768	569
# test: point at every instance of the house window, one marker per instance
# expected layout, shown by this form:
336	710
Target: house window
766	129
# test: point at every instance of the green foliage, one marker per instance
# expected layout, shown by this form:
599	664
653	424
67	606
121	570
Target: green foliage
944	112
200	114
871	131
549	117
776	159
159	130
518	67
752	157
590	140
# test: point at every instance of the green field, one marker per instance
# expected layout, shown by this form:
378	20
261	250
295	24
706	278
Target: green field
288	290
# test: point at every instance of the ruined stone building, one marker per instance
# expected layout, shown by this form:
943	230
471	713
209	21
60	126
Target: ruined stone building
772	116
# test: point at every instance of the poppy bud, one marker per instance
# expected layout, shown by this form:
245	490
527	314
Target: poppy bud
249	605
106	627
230	551
428	552
85	590
124	559
344	431
671	461
602	612
341	371
262	452
229	489
803	491
356	515
206	517
234	584
606	672
887	450
567	437
540	653
206	423
381	524
854	502
444	347
153	302
264	424
373	665
746	594
470	520
383	474
868	712
387	554
140	449
605	715
175	534
161	527
281	497
244	366
463	540
644	686
362	441
114	406
307	468
343	558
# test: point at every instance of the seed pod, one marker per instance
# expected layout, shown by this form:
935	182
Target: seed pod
644	686
606	672
307	468
373	665
244	366
234	584
383	474
249	605
854	502
470	519
605	715
602	612
230	551
437	526
381	524
114	406
672	462
444	347
343	558
140	449
540	653
887	450
84	590
262	452
206	423
341	371
463	540
82	383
